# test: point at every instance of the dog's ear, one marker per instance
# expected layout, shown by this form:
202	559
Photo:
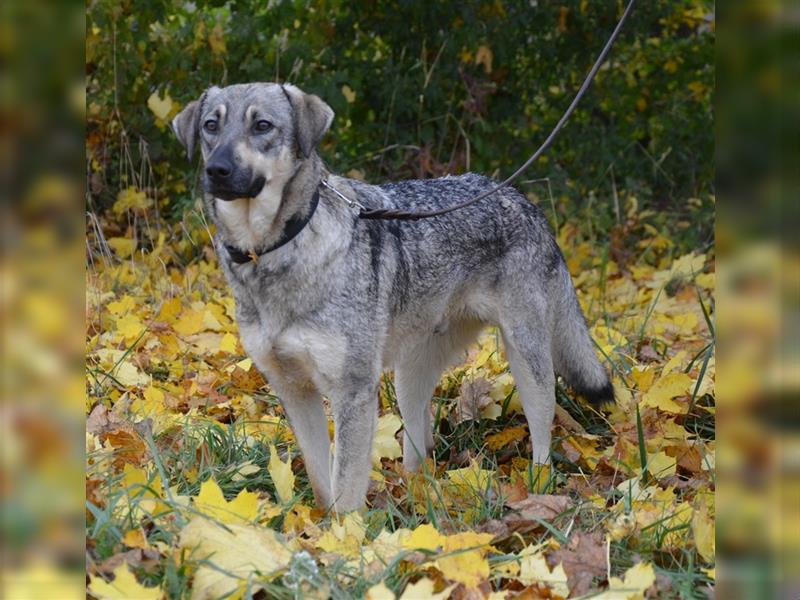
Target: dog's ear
186	125
312	118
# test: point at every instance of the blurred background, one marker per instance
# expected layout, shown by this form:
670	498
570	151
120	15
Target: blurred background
420	89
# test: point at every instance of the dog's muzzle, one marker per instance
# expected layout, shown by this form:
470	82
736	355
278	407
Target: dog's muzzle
226	181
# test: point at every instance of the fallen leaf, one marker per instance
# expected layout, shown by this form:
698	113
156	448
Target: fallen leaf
231	557
379	591
211	502
423	589
541	506
504	438
661	393
384	443
583	559
636	582
474	397
703	529
282	476
123	587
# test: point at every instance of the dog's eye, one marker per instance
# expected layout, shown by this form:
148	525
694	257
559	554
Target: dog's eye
262	126
210	126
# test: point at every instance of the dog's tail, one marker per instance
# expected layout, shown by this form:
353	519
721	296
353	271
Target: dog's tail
574	355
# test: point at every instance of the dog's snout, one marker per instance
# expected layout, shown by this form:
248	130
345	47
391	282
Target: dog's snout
219	169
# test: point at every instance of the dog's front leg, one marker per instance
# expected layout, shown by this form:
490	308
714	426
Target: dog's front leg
304	409
355	413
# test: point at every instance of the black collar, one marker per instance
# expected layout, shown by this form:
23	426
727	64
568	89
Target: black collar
293	226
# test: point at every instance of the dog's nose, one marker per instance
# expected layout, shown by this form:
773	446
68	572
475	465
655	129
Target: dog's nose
219	169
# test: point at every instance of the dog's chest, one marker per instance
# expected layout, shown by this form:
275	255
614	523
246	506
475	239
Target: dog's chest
296	351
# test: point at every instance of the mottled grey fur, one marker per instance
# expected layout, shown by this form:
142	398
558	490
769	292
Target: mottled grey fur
348	298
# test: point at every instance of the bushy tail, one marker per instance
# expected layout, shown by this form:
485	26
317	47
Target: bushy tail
574	356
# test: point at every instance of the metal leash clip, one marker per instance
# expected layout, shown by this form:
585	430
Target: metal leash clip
355	205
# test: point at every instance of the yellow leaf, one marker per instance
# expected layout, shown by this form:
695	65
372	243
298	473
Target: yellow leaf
123	247
379	591
121	306
348	94
469	567
190	322
463	556
123	587
231	558
703	529
170	310
637	580
211	502
135	538
424	589
228	344
533	569
661	393
660	465
471	479
160	107
142	492
282	476
131	199
130	327
385	444
424	537
674	362
484	56
505	437
344	538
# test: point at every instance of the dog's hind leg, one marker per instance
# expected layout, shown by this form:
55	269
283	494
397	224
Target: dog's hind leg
416	376
528	349
414	382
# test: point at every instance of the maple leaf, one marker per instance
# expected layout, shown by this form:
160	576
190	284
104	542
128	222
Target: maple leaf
703	529
282	476
463	557
379	591
424	537
504	438
583	559
635	583
533	569
123	587
123	247
232	557
541	506
384	443
473	399
660	395
344	538
190	322
211	502
131	199
423	588
160	107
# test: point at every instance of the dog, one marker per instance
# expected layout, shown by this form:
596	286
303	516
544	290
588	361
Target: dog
325	301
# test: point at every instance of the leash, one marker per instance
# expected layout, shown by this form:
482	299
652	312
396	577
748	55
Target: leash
402	215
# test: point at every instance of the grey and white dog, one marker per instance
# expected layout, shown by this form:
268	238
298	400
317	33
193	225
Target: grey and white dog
326	301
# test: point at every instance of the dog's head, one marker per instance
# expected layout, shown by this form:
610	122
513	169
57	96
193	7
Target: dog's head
251	133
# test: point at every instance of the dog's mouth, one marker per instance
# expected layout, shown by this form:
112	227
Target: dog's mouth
227	193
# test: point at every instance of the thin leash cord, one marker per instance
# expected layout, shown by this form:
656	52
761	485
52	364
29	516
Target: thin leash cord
388	213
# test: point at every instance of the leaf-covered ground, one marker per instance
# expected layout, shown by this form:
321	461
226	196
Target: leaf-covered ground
196	489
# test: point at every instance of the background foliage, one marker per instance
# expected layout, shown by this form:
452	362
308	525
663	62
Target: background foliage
421	89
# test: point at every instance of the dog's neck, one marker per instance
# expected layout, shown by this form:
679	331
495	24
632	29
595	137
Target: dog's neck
252	224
